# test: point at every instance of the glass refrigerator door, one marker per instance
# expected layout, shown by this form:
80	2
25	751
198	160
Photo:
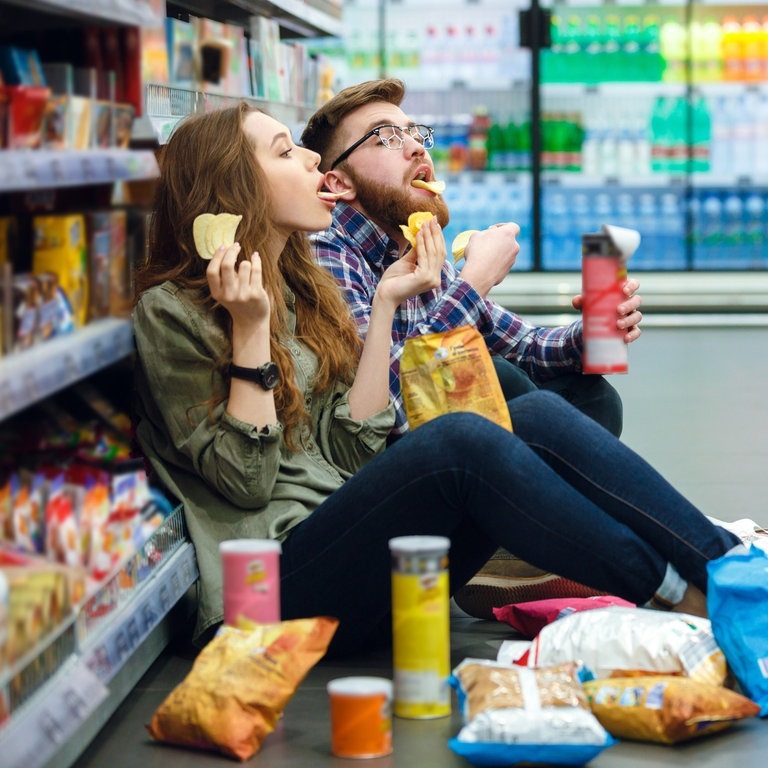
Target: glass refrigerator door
727	206
614	118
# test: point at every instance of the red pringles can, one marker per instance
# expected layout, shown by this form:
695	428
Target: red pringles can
603	274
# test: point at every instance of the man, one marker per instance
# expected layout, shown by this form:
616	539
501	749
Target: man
376	159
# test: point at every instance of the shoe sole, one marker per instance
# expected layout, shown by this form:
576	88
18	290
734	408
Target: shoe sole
482	594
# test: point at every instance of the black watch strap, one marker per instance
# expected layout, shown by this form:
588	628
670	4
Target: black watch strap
266	376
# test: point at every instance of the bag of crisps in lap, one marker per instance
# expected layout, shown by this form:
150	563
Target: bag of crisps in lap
449	372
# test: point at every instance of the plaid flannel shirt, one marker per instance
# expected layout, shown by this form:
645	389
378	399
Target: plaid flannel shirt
357	252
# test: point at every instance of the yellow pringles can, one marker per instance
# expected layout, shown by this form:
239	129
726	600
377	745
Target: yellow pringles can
420	626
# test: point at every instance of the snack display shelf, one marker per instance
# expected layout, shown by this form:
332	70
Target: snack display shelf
142	13
166	105
28	376
22	170
320	17
63	691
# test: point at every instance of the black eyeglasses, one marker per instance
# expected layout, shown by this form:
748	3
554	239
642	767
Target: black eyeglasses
392	137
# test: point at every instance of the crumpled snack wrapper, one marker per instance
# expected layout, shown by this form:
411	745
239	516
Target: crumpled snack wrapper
618	642
240	684
665	709
449	372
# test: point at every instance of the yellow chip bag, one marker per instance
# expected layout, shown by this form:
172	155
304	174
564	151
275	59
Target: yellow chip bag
448	372
415	222
240	684
665	708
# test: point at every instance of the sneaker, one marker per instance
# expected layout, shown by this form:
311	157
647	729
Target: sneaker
507	579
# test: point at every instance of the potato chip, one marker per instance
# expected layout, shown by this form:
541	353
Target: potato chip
210	231
415	222
460	243
438	187
199	228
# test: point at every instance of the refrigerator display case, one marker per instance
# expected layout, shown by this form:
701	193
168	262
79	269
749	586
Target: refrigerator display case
566	115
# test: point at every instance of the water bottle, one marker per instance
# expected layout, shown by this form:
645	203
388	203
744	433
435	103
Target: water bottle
559	250
711	231
754	229
733	231
671	231
649	255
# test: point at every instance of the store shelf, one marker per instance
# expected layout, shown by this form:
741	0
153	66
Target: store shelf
137	12
309	19
53	719
28	376
30	169
165	105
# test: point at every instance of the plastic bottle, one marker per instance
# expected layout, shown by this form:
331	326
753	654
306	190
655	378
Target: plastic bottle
702	136
711	44
660	139
733	49
477	138
754	230
612	60
555	231
721	148
590	147
574	48
671	231
711	231
649	255
552	64
496	146
592	69
631	52
673	43
678	137
751	34
733	230
652	61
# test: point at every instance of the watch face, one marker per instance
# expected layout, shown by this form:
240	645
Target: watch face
270	375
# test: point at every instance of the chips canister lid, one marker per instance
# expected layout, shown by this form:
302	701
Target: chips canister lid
412	545
360	686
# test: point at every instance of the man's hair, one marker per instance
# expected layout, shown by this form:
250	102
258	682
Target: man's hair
321	134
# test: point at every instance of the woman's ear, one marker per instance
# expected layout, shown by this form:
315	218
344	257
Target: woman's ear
340	184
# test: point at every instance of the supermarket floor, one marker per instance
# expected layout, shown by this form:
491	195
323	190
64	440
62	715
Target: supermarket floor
695	406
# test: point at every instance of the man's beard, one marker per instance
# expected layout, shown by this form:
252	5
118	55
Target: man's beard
390	206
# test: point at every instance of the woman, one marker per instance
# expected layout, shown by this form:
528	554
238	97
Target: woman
305	461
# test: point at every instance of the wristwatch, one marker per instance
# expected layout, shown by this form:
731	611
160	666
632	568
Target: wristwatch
266	376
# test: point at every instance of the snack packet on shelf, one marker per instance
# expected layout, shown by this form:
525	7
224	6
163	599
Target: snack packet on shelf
618	641
240	684
448	372
515	715
665	709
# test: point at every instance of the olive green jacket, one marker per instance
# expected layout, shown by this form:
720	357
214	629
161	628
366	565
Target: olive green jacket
234	480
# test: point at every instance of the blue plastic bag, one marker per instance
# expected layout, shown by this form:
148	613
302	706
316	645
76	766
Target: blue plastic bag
737	601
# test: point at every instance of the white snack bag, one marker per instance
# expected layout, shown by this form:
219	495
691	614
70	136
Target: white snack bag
616	640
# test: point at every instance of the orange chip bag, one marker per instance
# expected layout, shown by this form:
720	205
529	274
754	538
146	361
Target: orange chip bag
449	372
240	684
665	708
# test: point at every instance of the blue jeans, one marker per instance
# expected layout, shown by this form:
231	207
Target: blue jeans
590	393
561	492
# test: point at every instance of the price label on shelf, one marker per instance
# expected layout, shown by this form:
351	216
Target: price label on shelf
33	736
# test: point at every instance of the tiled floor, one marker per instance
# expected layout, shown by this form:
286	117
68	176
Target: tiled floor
695	406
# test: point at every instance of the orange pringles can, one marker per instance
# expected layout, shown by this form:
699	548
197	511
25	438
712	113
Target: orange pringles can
361	716
420	626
